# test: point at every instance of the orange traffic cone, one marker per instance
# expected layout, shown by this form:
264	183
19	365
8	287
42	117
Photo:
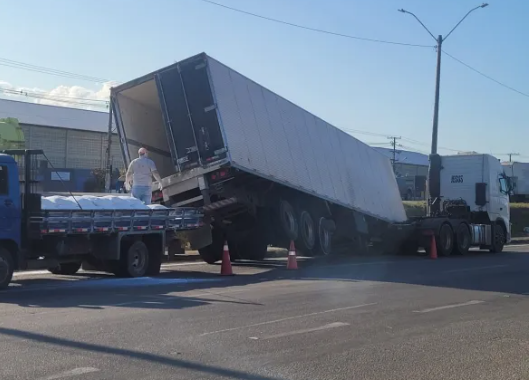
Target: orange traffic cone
226	265
434	252
291	259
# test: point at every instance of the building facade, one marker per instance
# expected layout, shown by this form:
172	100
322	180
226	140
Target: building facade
73	140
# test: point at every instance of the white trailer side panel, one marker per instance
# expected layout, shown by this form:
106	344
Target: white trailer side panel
273	138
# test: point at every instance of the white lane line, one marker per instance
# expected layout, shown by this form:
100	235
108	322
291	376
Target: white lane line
515	245
304	331
289	318
469	303
74	372
475	268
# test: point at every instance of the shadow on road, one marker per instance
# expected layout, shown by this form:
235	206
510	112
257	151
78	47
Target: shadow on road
504	273
137	355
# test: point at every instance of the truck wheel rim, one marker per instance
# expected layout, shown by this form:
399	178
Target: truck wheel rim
136	262
308	230
324	237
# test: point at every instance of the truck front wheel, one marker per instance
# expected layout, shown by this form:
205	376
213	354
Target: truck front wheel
7	268
67	269
499	239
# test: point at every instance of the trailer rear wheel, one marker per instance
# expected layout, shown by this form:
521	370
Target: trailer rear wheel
462	240
7	267
67	269
445	240
325	232
134	262
288	220
214	252
306	232
499	239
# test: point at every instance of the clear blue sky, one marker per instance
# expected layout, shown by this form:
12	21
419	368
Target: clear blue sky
352	84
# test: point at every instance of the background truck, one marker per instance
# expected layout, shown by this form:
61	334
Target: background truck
266	171
128	243
518	173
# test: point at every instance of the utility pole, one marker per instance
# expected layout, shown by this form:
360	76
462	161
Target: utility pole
512	154
108	162
393	143
434	159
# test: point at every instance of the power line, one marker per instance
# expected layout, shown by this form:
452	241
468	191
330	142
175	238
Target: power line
46	70
484	75
59	99
30	93
311	28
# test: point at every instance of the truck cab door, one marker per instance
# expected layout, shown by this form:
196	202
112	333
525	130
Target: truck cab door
9	203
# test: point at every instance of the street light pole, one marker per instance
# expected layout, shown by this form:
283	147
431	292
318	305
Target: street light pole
435	163
434	140
439	41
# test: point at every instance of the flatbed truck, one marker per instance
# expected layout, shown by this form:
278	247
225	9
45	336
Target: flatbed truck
128	243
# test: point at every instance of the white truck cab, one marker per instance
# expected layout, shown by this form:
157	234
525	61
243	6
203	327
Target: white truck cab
479	181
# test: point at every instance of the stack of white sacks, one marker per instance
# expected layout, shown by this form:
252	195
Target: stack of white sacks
90	202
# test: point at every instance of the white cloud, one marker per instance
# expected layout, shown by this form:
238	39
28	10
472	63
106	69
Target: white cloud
65	96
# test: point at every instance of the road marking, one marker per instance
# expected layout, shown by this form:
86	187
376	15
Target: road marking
469	303
515	245
74	372
289	318
475	268
304	331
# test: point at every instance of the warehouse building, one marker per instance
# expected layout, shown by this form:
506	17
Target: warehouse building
411	171
74	141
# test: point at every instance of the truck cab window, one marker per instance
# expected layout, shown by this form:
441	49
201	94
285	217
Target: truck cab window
504	185
4	185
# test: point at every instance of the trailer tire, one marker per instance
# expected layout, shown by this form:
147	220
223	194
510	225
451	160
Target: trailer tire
213	252
306	232
325	232
134	261
7	267
445	240
288	221
67	269
462	240
498	239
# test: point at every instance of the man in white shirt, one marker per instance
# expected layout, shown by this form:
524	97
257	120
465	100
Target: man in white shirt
140	177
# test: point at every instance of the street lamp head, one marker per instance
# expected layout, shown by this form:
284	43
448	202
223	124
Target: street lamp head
402	10
484	5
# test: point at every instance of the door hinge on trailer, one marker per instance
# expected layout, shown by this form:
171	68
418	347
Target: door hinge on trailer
210	108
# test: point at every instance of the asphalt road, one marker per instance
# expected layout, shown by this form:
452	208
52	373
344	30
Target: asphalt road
362	318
